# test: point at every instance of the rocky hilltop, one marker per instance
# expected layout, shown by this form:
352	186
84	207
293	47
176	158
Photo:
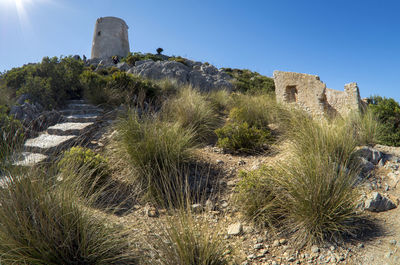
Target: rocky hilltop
199	75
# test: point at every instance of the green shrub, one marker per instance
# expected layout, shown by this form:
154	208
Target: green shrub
11	137
41	225
188	240
117	88
131	59
253	82
95	87
240	137
159	50
192	111
84	167
159	151
7	98
178	59
387	112
49	83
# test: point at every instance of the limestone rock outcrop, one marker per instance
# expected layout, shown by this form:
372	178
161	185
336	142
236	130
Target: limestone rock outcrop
205	77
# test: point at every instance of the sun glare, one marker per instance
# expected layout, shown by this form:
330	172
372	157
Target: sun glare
20	8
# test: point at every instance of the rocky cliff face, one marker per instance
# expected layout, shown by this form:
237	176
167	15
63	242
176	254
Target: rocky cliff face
202	76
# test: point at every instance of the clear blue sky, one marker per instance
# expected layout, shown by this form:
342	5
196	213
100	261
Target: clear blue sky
341	41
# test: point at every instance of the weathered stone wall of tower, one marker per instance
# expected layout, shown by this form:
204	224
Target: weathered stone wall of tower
110	38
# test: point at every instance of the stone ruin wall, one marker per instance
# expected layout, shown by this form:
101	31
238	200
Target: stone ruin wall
312	95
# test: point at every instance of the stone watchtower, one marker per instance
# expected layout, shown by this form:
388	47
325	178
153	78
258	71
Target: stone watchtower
110	38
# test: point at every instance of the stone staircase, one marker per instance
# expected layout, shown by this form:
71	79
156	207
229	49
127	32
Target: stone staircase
78	122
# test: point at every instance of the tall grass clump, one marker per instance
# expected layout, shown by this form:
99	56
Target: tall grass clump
40	225
192	111
220	99
259	110
367	128
312	194
187	240
159	151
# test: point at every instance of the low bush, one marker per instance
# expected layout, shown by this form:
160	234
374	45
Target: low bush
188	240
247	128
117	88
192	111
85	170
132	58
178	59
240	137
159	151
40	225
11	137
387	112
49	83
252	82
94	84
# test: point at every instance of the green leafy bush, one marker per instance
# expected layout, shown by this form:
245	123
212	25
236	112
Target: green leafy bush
11	136
95	87
192	111
387	111
49	83
160	153
253	82
117	88
41	225
240	137
84	166
178	59
131	59
247	127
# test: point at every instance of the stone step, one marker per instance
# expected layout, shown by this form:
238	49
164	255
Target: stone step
79	106
81	118
69	128
68	112
27	159
49	144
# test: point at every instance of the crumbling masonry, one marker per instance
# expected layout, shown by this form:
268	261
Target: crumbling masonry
312	95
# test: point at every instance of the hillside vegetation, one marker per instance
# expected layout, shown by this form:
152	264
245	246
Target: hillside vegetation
63	213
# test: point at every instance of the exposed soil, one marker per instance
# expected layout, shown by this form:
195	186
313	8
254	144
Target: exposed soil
256	246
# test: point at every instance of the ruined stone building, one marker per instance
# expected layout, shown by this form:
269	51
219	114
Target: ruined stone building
312	95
